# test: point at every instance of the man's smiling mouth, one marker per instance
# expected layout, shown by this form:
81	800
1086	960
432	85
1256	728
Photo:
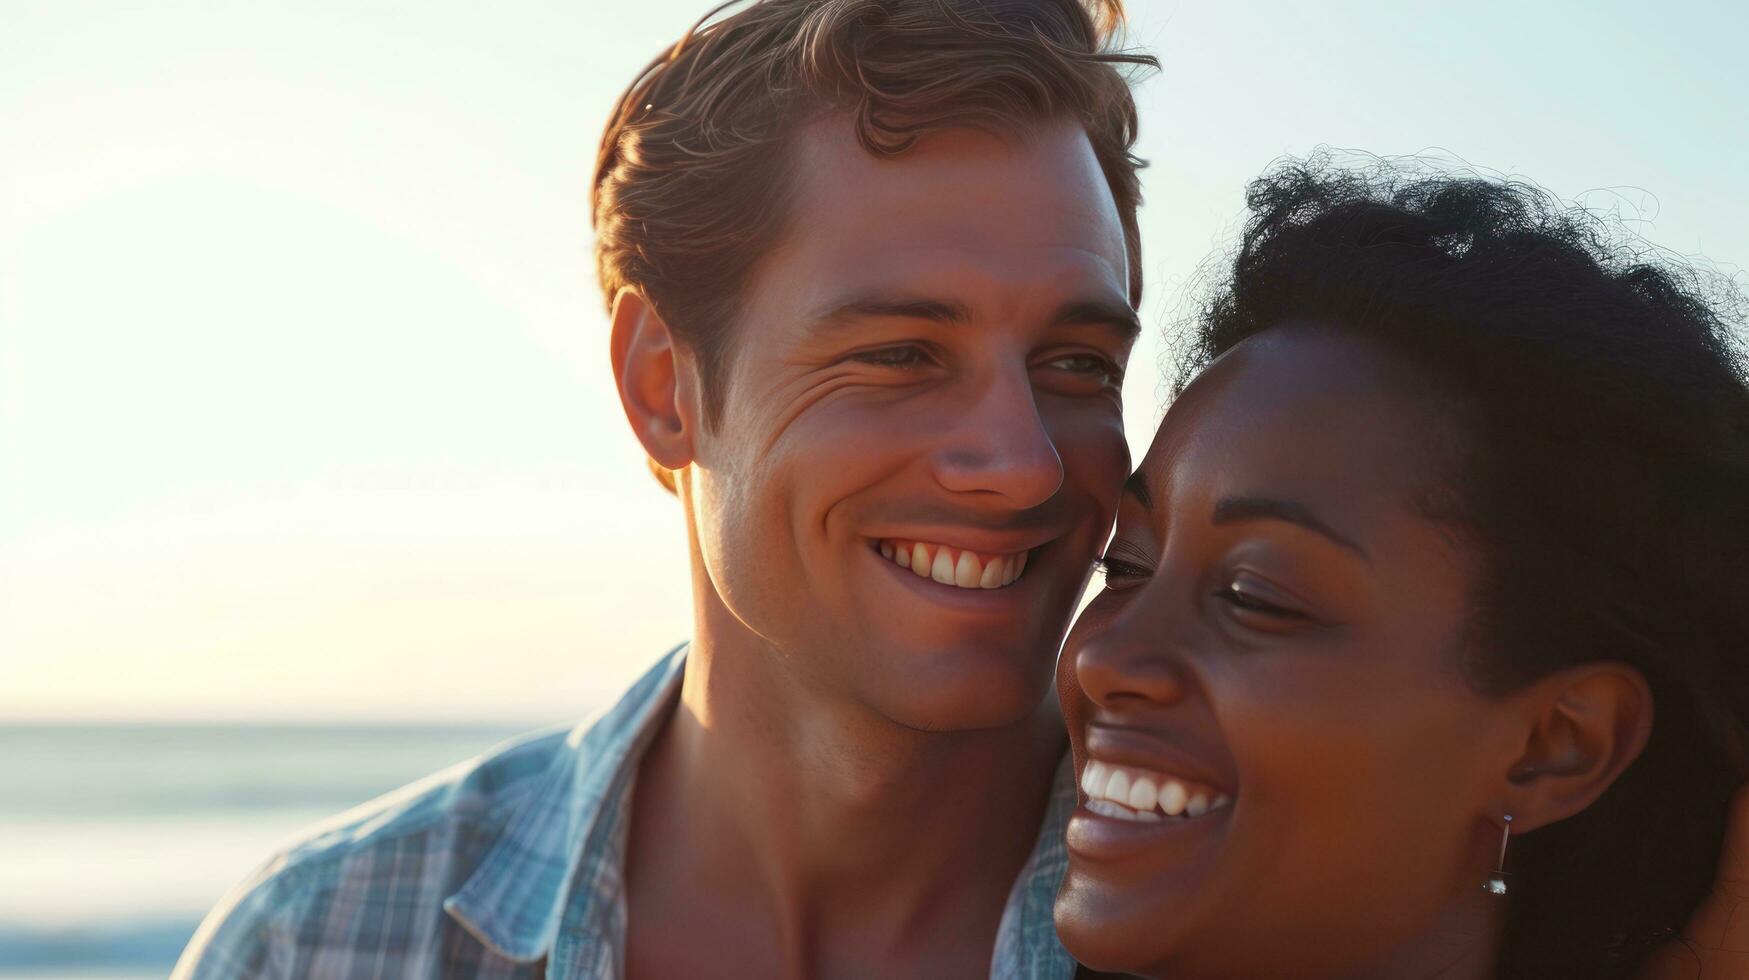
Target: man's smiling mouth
957	567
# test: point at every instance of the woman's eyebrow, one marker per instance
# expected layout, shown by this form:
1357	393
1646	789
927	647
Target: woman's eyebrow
1248	508
1137	486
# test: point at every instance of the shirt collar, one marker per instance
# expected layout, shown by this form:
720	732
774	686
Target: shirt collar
1026	941
515	900
560	859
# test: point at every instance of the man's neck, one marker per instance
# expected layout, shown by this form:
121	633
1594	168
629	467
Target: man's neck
835	838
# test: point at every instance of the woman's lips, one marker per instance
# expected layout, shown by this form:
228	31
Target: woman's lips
1132	793
1158	753
1128	811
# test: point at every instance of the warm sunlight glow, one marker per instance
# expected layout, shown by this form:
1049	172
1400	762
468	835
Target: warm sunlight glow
304	402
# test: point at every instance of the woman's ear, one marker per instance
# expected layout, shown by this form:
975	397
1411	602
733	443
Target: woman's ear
654	385
1588	724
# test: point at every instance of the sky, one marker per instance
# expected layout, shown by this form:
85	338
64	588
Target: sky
305	407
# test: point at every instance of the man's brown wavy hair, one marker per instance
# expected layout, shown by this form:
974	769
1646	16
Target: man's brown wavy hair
691	183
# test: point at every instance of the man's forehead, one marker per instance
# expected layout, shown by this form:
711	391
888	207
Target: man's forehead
955	189
999	227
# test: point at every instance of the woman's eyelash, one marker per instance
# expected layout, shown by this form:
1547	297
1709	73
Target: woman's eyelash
1117	568
1251	603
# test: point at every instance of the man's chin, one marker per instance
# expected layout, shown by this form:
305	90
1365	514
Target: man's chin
964	690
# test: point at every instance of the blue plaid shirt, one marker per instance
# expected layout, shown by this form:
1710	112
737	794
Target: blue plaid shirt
512	866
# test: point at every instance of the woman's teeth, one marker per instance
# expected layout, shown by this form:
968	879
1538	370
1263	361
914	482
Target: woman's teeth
954	566
1141	794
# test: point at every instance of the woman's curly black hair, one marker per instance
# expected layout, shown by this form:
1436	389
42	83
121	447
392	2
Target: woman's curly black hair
1602	472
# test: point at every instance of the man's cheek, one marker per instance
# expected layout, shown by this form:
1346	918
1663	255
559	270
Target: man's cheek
1094	480
1095	453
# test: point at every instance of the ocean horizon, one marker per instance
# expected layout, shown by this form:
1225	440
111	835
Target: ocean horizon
116	838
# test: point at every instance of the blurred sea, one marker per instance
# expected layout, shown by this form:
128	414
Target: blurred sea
116	839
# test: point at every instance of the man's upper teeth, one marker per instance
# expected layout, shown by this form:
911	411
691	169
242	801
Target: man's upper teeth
954	566
1142	794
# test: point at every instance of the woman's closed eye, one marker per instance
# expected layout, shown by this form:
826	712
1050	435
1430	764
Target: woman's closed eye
1119	573
1252	601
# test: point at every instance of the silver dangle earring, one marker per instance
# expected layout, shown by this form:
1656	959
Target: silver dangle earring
1496	884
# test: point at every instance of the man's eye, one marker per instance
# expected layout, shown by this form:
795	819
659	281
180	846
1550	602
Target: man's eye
1088	365
903	356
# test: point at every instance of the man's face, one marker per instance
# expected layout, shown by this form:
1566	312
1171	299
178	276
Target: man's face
930	361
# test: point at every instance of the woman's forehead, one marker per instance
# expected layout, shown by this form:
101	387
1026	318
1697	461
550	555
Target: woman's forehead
1295	409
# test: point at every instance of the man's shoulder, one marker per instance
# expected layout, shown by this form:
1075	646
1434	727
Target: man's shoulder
400	855
463	867
476	794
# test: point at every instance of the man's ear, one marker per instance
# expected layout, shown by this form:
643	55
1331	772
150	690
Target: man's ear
654	387
1587	724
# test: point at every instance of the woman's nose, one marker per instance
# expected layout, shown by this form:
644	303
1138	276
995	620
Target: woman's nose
1128	665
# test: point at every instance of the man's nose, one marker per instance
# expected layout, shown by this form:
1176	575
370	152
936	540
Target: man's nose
999	444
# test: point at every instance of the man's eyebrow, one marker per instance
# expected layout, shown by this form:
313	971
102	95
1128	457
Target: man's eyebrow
1098	311
1234	509
1117	315
1137	487
884	307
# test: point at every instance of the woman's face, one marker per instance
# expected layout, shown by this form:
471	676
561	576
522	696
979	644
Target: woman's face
1283	771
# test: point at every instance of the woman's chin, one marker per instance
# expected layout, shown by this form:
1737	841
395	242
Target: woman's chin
1110	930
1136	890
